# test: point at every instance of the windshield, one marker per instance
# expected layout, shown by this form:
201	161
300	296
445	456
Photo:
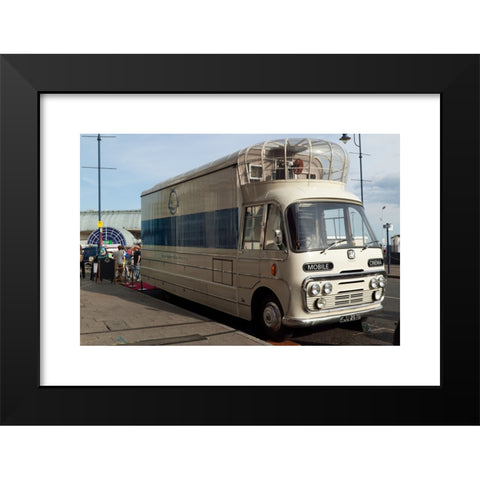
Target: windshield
322	225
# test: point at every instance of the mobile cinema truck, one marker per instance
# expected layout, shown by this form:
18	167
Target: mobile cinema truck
268	234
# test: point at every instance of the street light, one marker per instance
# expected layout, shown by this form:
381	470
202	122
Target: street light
100	224
381	218
388	227
345	138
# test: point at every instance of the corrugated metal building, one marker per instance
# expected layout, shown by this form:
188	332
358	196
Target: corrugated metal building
396	243
395	250
125	224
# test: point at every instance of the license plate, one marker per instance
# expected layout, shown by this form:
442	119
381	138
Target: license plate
350	318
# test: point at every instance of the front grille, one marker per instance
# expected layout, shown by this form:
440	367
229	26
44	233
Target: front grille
342	300
348	299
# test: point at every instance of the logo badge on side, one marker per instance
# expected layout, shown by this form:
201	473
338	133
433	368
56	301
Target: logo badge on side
173	202
351	254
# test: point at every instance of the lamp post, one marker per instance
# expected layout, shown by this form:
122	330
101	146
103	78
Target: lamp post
100	224
345	138
381	219
388	227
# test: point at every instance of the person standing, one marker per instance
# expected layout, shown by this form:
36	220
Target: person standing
82	262
137	256
118	256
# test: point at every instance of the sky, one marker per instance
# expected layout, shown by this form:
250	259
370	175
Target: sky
141	161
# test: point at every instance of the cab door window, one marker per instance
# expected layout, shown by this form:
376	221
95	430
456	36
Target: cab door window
274	231
252	231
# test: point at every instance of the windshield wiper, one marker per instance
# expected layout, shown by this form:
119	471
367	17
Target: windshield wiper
368	243
333	244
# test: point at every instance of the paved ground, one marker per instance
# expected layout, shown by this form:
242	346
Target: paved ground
117	315
394	271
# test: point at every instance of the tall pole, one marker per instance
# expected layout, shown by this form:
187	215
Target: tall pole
359	145
388	250
100	244
387	227
345	138
99	167
99	139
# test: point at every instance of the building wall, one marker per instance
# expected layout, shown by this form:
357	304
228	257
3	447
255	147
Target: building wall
129	220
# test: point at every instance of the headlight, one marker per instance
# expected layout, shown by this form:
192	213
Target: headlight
382	281
320	303
314	289
373	283
327	288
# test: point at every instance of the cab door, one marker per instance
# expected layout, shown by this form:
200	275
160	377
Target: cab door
274	249
249	256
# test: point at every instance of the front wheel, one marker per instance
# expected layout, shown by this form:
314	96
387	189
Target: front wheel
269	318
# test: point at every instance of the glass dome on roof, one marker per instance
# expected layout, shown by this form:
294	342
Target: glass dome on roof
293	158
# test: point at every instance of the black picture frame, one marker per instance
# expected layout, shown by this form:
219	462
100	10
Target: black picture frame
24	78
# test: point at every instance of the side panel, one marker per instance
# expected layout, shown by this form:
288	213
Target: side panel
248	272
190	238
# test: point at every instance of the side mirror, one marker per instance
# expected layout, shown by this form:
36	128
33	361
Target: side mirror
278	238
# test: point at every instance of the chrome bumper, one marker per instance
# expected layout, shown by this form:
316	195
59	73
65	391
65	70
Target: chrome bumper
332	318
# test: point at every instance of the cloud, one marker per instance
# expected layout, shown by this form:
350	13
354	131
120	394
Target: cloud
384	189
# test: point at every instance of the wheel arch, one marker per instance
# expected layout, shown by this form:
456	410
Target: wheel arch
257	297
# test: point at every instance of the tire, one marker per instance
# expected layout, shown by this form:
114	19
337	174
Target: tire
269	319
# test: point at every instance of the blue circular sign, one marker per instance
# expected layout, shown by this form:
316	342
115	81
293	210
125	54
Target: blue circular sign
109	235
